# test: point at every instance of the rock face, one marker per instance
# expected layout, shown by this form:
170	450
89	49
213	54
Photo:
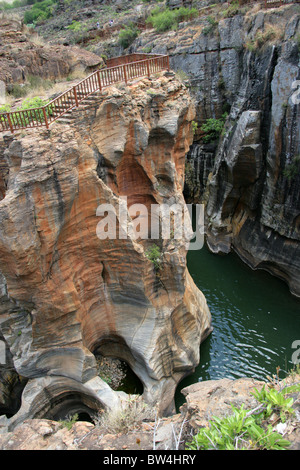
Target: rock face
204	401
248	66
21	56
67	294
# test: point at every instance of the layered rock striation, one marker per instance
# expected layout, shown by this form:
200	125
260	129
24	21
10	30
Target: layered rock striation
24	55
245	62
67	292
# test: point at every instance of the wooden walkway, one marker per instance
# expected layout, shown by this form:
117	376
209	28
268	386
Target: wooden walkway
119	69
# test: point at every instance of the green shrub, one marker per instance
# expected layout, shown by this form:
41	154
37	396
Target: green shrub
292	169
154	255
39	12
162	20
68	422
5	108
250	429
165	19
211	26
128	35
241	430
194	127
213	128
28	104
184	14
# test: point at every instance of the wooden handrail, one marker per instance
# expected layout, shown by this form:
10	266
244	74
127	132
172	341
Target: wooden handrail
128	67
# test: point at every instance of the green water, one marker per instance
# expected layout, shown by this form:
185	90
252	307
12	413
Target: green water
255	320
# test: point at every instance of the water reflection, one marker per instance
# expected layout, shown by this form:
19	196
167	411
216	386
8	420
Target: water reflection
255	320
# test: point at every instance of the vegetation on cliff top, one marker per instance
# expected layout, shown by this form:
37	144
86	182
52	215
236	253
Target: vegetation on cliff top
260	428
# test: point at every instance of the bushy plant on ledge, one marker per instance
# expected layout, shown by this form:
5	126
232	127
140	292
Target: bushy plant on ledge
213	128
250	429
154	255
166	19
128	35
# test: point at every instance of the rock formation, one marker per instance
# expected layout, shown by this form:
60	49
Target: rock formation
22	56
245	63
67	294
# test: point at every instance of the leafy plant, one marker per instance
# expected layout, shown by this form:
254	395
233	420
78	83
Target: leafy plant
39	12
154	255
232	10
213	128
68	423
249	429
238	431
194	127
128	35
211	26
166	19
5	108
27	117
274	401
292	169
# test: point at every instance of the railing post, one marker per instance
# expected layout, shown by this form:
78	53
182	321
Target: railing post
10	124
45	117
76	97
125	74
148	68
99	80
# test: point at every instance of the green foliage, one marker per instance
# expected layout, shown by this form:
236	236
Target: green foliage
68	423
292	169
5	108
28	104
128	35
274	401
75	26
241	430
35	102
165	19
194	127
249	429
213	128
39	12
211	26
16	4
232	10
154	255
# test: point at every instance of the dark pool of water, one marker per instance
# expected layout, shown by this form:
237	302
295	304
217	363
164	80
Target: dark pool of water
255	320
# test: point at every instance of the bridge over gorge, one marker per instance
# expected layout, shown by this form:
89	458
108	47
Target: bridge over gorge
118	70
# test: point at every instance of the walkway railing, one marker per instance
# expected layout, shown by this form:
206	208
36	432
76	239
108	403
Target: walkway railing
119	69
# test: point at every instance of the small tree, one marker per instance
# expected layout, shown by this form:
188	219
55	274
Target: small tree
128	35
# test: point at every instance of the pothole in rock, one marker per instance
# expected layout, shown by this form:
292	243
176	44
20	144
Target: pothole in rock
118	375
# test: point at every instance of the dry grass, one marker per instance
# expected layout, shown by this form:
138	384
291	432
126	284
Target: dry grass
127	417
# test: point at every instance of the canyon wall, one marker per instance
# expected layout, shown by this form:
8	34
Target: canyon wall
245	65
67	294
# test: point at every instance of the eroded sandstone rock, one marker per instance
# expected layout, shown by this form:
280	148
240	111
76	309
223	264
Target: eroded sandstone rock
67	294
21	55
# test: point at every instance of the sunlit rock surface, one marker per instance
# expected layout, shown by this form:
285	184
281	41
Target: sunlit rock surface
66	294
